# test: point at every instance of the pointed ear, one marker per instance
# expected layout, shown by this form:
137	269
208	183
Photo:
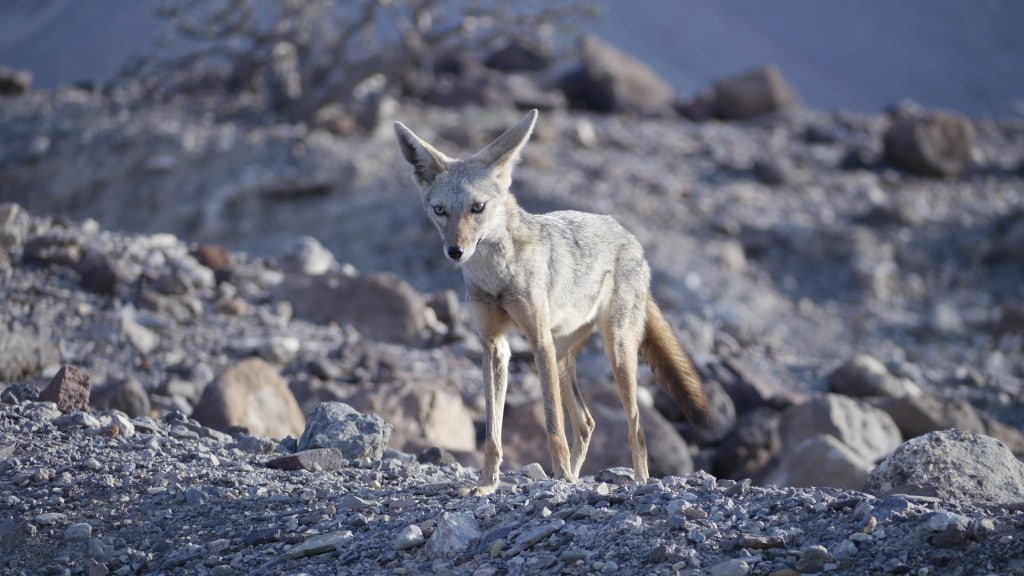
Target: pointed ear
502	154
427	162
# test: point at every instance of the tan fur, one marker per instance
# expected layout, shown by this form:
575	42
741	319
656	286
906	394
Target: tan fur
556	277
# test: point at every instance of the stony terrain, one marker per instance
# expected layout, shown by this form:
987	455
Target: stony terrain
210	281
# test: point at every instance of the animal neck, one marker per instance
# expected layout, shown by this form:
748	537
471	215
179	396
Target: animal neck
490	268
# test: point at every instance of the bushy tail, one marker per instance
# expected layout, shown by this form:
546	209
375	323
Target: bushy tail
674	370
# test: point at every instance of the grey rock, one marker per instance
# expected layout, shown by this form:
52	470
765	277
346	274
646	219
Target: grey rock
867	430
534	471
735	567
820	461
338	425
955	465
126	395
436	456
918	415
452	535
24	354
77	420
313	460
306	255
49	518
749	445
410	537
320	544
617	475
519	54
421	414
381	306
141	338
78	532
813	559
20	392
864	375
528	538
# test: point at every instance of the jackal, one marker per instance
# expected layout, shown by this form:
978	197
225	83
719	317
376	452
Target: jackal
554	276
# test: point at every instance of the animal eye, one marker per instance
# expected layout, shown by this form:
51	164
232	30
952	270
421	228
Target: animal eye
439	210
478	207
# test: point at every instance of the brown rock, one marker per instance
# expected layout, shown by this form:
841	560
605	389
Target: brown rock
251	395
98	273
751	94
212	256
69	389
14	82
609	80
930	143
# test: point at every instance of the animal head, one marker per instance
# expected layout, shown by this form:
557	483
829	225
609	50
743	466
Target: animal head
465	199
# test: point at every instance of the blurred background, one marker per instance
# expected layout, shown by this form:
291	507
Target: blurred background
829	194
862	55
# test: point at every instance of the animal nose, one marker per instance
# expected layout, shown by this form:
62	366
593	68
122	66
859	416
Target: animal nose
454	252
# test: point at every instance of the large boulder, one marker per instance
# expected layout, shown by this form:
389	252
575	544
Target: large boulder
869	431
864	376
381	306
251	395
820	460
952	465
751	94
930	143
744	96
918	415
608	80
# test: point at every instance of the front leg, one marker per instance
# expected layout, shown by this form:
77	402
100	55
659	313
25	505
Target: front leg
491	323
534	319
495	369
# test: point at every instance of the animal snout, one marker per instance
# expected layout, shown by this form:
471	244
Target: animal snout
455	253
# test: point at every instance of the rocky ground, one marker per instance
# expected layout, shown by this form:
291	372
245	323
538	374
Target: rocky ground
842	290
99	494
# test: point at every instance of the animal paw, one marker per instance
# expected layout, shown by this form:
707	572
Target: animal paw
480	490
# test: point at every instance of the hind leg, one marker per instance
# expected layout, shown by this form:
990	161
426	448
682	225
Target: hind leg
580	417
622	333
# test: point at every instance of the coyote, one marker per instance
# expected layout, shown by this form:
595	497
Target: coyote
554	276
